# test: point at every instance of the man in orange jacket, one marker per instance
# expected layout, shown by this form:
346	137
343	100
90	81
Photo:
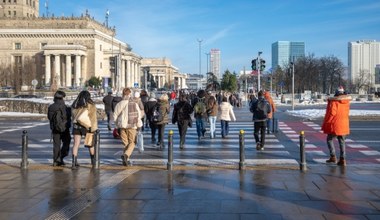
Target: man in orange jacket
336	124
268	97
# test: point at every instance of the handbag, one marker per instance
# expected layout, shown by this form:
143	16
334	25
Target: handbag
83	119
140	141
89	140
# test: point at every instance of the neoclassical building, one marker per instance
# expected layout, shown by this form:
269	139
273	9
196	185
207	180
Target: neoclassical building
62	51
164	73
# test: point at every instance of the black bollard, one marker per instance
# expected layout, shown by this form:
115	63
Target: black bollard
97	150
170	151
24	155
241	150
303	165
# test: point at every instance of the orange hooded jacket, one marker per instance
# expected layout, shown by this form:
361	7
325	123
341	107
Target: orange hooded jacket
336	119
271	103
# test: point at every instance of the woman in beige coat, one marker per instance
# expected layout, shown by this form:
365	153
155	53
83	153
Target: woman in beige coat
226	115
81	103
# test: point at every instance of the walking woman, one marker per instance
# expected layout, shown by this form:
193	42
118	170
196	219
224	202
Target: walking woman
212	112
182	116
83	103
226	115
163	109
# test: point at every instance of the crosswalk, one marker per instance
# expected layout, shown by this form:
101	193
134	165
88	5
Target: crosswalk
281	149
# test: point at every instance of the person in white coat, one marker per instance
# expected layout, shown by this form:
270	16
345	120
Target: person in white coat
226	115
127	117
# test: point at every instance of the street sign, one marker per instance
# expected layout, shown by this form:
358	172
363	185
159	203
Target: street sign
34	82
136	85
254	72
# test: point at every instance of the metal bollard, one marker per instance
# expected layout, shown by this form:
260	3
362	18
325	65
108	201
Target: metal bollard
24	155
97	150
170	151
241	151
303	165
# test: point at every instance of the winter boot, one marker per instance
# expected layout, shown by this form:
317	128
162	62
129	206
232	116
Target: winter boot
331	160
342	162
75	164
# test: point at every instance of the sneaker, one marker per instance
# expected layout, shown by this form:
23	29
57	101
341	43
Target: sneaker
331	160
258	146
124	160
342	162
109	128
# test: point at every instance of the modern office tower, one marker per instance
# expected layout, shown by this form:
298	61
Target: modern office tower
363	56
19	9
215	62
284	52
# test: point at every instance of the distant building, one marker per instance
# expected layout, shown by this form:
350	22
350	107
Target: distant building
363	56
284	52
215	62
19	9
163	73
196	82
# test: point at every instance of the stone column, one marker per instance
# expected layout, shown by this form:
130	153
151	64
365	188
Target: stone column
78	74
133	73
84	67
68	70
57	70
122	85
47	70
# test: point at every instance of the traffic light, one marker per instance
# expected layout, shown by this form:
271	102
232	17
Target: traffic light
262	65
254	66
113	63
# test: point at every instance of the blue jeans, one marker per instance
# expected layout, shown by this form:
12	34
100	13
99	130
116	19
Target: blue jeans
342	145
199	122
212	121
224	127
269	124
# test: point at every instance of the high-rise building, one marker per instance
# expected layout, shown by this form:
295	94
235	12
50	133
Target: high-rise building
283	52
363	56
215	62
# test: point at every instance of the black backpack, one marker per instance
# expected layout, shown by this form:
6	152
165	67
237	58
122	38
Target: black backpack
156	116
260	111
58	122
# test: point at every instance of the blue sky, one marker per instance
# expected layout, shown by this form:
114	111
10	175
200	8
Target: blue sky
239	28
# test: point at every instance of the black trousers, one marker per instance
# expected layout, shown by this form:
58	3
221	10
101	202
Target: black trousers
153	129
61	145
260	128
161	134
182	130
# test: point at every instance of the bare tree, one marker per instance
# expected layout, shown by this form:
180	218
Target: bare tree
362	82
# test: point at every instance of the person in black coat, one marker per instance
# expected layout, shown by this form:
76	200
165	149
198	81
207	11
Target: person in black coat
64	137
149	107
182	116
107	100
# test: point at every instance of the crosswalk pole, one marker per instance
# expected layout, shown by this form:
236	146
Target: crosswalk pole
303	165
170	151
24	161
241	151
97	147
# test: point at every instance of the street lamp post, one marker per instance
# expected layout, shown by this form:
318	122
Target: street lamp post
292	63
258	71
200	60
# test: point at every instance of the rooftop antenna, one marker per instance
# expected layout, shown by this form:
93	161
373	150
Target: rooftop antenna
47	8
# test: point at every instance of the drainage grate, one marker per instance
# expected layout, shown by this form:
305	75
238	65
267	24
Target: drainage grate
91	196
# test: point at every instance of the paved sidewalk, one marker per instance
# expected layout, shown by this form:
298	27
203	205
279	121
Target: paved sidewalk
322	192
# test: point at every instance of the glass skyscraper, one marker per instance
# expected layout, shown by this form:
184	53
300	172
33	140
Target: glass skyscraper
283	52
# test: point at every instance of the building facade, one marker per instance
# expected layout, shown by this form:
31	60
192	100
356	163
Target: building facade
215	62
284	52
162	73
19	8
63	52
363	56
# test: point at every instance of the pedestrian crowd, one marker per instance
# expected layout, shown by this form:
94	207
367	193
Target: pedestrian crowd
136	111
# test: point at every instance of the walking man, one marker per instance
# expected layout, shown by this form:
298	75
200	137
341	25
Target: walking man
107	100
260	109
336	124
59	116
